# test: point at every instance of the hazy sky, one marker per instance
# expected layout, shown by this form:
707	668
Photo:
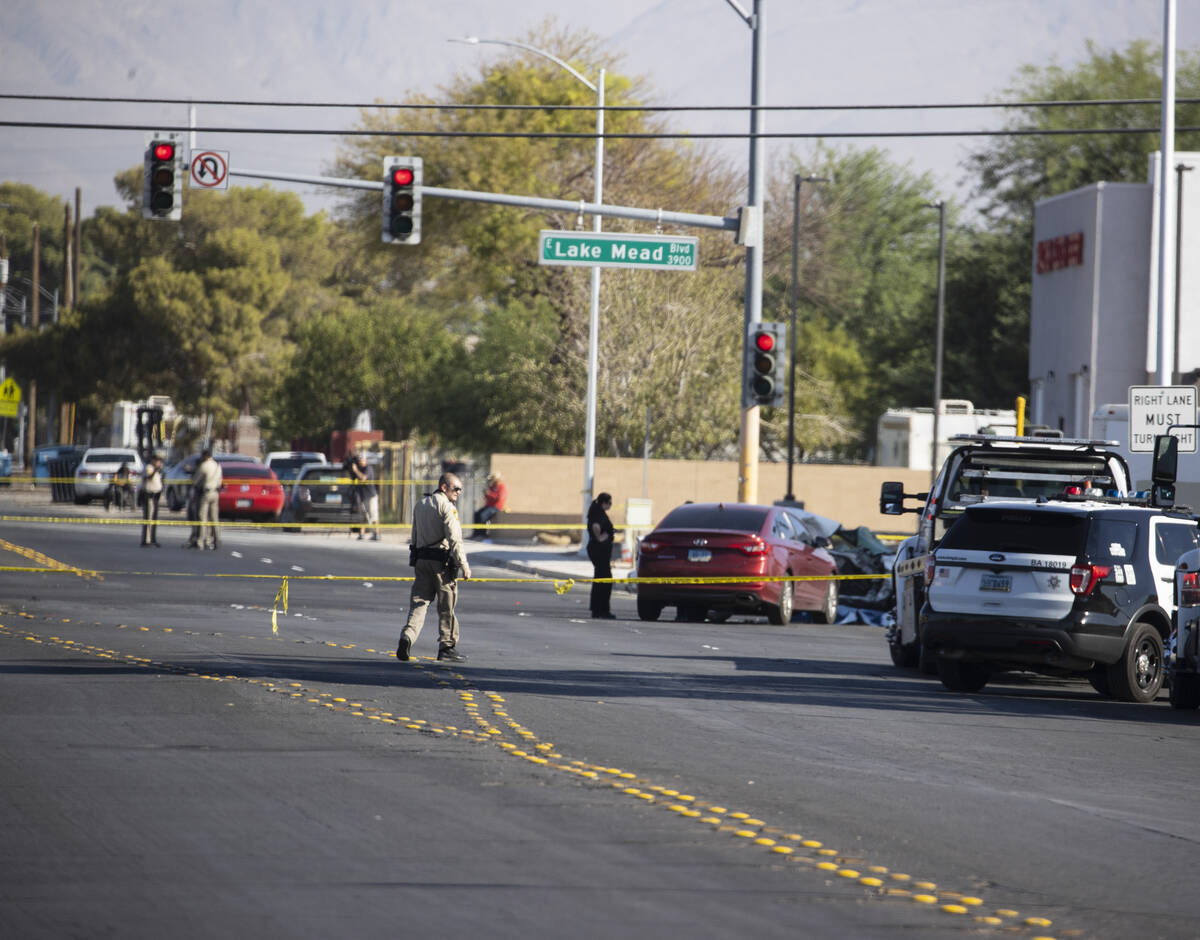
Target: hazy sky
694	52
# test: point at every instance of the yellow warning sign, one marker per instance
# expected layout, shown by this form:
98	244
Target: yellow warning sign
10	397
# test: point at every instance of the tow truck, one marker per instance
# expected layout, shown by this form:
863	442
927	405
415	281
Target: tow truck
980	468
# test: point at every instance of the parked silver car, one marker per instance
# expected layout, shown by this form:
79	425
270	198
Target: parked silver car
95	472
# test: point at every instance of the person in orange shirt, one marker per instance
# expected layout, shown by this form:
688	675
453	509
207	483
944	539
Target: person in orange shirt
495	501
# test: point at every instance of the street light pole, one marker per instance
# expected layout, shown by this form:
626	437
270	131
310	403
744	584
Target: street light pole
791	438
940	205
589	447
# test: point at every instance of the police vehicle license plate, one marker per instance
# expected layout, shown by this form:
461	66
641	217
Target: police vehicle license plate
699	554
995	582
244	503
333	497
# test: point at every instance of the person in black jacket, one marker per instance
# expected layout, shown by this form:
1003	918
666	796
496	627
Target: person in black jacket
599	549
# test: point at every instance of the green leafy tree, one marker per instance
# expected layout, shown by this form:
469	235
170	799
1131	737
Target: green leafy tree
988	280
388	356
1014	172
866	298
526	323
202	310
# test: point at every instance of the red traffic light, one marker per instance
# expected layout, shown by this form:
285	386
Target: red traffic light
402	176
164	152
764	341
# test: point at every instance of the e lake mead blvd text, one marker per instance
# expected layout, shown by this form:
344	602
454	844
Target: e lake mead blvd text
617	250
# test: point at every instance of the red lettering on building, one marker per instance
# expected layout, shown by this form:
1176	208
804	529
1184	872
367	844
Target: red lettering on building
1065	251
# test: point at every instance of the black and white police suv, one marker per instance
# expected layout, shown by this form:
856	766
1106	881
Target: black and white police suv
1081	586
983	468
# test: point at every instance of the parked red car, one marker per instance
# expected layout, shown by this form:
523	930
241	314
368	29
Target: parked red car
728	539
250	489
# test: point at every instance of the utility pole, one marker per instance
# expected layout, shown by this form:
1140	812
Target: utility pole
1166	332
76	255
940	205
748	436
35	280
791	436
68	254
1180	169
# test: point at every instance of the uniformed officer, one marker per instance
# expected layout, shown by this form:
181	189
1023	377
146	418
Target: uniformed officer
437	556
206	489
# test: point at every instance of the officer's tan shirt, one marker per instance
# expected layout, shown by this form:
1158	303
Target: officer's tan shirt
207	476
435	525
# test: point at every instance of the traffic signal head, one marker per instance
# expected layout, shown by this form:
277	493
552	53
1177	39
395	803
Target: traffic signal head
765	364
162	188
402	200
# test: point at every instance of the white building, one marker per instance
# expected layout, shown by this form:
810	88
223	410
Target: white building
1093	321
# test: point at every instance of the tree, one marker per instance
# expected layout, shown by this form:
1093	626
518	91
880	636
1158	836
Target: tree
988	281
388	356
1014	172
866	292
477	263
201	310
22	206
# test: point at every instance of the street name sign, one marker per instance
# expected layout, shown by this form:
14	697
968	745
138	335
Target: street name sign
618	250
1154	408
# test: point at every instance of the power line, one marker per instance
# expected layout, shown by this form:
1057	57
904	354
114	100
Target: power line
564	135
376	105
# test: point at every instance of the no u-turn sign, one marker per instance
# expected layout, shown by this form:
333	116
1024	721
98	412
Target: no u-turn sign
210	169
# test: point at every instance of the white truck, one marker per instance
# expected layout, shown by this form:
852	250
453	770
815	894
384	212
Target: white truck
904	436
983	467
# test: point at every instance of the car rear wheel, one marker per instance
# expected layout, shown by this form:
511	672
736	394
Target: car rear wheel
1138	675
691	613
828	611
927	659
1098	677
719	616
782	612
174	500
1185	691
648	609
904	655
958	676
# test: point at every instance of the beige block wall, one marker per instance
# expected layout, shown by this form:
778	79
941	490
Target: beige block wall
551	488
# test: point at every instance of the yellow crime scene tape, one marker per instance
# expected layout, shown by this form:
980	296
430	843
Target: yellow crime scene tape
280	603
186	481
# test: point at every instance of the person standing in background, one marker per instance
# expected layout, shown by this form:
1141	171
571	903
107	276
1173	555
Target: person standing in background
152	487
206	489
599	549
363	475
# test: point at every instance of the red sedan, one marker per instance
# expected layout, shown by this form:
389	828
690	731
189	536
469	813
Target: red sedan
698	540
250	489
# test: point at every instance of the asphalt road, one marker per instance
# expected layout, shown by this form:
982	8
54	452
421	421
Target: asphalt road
169	763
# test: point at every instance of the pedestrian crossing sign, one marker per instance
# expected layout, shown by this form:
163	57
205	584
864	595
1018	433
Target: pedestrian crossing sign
10	397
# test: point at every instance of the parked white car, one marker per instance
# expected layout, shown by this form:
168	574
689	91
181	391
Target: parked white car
95	472
287	463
